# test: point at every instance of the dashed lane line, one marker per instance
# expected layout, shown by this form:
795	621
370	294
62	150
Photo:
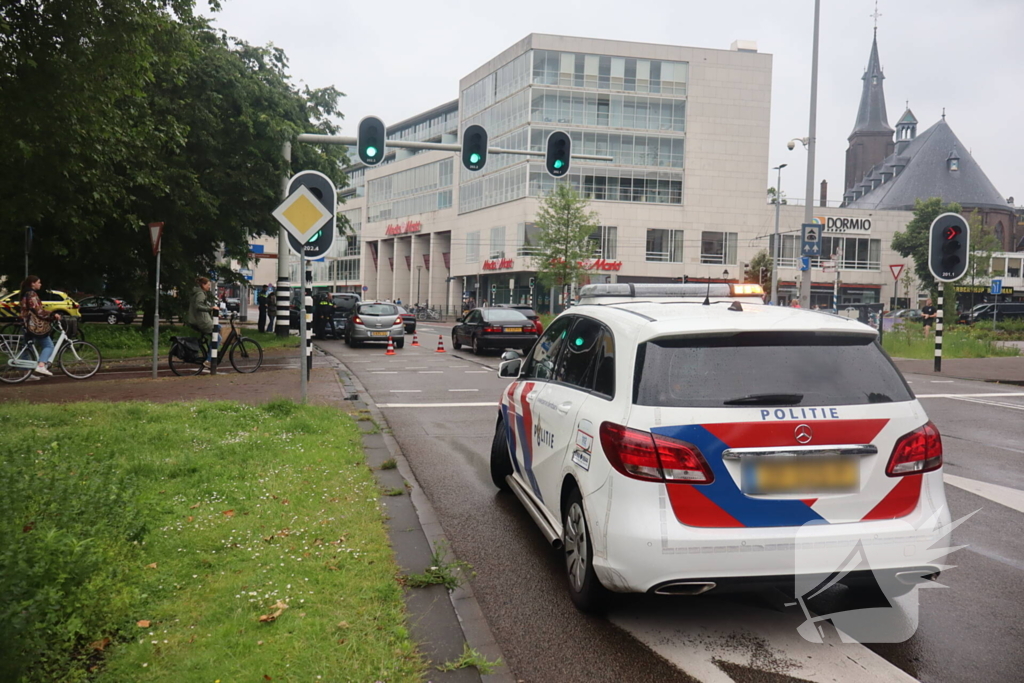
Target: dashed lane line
406	391
1004	495
430	372
457	390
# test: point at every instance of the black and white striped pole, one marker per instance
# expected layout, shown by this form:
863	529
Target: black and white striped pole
949	249
307	303
215	341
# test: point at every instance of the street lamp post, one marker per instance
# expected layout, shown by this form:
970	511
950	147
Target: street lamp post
775	245
805	282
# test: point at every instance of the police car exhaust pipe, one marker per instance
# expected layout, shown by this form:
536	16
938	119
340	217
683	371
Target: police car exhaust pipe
538	517
685	588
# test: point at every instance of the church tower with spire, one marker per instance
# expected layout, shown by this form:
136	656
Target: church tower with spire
871	140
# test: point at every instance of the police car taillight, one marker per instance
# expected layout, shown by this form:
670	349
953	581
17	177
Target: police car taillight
652	457
917	452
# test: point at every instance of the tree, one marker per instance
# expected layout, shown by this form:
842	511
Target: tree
565	227
771	196
136	111
760	270
983	244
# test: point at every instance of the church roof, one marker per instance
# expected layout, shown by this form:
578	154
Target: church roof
871	116
926	174
908	117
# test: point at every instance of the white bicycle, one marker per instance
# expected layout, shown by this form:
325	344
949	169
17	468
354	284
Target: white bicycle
19	357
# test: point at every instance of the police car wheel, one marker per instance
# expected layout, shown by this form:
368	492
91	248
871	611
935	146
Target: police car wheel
501	461
585	588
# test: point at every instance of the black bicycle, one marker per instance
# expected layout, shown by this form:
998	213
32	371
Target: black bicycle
188	354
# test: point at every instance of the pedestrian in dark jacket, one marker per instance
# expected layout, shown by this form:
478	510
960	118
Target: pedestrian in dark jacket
261	302
272	311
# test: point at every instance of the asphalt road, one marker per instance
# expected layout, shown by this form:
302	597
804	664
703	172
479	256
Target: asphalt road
442	408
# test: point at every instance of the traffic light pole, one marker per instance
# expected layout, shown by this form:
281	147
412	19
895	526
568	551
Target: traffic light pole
439	146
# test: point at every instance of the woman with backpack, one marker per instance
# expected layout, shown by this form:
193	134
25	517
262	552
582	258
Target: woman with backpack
38	322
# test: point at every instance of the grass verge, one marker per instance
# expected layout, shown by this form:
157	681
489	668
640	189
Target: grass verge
194	542
132	341
909	341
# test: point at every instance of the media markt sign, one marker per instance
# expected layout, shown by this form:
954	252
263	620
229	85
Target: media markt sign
302	214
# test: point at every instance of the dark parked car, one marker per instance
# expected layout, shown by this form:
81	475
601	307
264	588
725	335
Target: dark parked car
912	314
408	318
344	304
528	312
1005	311
494	328
234	305
106	309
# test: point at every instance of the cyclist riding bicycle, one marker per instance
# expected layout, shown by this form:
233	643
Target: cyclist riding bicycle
200	309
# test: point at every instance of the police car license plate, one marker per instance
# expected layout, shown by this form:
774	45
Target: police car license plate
800	475
378	334
513	329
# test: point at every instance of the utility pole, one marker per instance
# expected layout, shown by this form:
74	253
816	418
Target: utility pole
775	244
805	282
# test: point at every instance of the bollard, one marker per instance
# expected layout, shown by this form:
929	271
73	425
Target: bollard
215	342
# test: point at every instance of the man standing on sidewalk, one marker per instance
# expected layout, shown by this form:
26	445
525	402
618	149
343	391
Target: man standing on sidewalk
271	310
928	316
261	302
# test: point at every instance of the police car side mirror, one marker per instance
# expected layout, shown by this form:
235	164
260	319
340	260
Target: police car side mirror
511	354
510	368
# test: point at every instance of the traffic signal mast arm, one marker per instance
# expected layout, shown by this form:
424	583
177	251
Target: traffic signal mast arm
444	147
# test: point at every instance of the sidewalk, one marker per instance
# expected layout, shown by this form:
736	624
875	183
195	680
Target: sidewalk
1006	369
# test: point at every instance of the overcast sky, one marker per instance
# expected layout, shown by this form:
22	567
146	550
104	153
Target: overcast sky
398	58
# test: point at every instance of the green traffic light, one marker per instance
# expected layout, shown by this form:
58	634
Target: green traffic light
474	158
371	151
559	163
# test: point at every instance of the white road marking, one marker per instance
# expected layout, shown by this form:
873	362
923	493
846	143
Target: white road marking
463	390
430	372
384	372
694	640
1004	495
488	404
998	404
942	381
478	372
1007	394
406	391
416	367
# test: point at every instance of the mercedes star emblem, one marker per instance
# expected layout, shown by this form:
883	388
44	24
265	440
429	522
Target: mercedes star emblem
803	434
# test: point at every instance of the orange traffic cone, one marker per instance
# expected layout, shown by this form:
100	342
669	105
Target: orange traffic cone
415	339
440	343
391	347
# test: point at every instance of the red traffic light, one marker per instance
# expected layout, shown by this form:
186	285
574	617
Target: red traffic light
953	231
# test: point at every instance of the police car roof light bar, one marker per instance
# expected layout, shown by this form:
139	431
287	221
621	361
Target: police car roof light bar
648	290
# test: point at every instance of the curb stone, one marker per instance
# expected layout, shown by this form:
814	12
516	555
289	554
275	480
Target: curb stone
435	635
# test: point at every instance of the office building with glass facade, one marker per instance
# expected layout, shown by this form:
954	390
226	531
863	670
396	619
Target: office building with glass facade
687	129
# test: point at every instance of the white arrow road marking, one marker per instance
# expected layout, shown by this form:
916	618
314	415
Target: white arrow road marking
692	639
1004	495
488	404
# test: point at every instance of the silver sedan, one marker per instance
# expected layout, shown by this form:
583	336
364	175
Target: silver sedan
375	322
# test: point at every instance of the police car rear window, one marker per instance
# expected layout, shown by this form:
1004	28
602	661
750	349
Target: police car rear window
765	368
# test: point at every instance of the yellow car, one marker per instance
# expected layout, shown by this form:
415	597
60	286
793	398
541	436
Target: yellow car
58	302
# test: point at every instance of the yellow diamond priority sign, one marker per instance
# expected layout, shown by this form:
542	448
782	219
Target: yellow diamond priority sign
302	214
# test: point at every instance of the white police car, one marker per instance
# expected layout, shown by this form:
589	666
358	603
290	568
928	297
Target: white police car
677	439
